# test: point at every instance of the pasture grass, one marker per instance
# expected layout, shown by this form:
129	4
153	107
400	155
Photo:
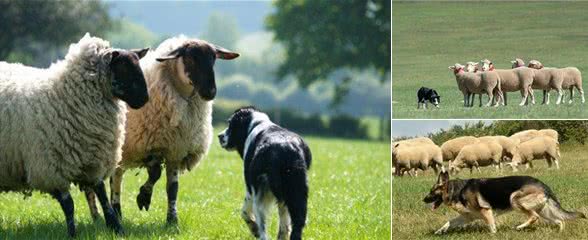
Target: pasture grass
349	199
413	219
430	36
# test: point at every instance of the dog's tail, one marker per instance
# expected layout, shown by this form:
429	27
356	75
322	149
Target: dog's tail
553	209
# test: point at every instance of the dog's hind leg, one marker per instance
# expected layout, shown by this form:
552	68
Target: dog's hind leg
260	208
247	215
285	223
454	223
527	204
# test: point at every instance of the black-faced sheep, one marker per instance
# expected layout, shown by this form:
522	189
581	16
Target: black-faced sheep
175	127
65	124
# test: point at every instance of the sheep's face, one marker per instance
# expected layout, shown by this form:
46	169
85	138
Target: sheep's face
195	62
128	82
471	67
535	64
456	68
517	63
486	65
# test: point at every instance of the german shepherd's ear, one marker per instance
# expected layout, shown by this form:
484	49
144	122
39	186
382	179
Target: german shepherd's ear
443	178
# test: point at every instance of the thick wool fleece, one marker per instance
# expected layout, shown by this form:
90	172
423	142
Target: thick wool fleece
62	124
172	125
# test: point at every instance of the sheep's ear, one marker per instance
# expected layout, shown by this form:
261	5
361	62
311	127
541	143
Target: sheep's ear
225	54
451	67
172	55
513	61
110	55
140	52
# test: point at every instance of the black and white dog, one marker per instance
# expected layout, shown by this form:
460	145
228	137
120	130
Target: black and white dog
428	94
276	161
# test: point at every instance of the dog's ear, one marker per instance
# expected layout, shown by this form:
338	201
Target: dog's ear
443	178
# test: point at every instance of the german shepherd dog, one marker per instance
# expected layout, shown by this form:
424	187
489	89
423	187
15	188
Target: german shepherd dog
480	198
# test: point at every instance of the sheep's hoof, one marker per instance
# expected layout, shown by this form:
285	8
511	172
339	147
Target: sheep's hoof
144	199
117	210
172	220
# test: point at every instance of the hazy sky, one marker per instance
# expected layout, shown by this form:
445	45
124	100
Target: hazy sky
423	127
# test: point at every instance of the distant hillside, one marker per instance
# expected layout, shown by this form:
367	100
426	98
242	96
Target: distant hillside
164	17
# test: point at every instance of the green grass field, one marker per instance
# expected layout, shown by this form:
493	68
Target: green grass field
349	199
430	36
413	219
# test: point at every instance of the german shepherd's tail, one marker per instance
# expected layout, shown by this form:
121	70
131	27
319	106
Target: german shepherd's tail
553	209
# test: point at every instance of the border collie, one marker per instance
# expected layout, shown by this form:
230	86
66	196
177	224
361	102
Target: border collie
276	161
428	94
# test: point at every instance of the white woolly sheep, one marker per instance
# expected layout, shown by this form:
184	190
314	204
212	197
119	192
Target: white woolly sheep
175	127
451	148
511	80
469	83
527	135
411	157
472	67
544	79
65	124
539	148
572	77
509	148
418	140
483	153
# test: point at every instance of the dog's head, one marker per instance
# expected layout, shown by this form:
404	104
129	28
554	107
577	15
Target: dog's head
435	196
434	97
240	123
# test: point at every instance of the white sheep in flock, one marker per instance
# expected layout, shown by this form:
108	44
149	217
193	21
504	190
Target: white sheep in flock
408	156
529	134
469	83
451	148
539	148
509	148
483	153
65	124
511	80
175	127
544	79
572	77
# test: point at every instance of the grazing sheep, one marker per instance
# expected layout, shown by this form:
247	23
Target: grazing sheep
175	127
418	140
572	77
473	83
511	80
539	148
451	148
483	153
65	124
408	157
544	79
509	148
527	135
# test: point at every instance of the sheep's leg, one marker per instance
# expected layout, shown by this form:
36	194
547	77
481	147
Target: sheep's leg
571	95
465	100
172	195
505	98
532	93
479	100
91	199
547	102
525	95
115	190
581	93
67	205
153	164
109	215
544	94
490	98
559	96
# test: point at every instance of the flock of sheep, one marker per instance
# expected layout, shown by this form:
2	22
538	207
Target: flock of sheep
482	78
67	123
474	152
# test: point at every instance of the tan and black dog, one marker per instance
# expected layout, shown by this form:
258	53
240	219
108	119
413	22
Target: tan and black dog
481	198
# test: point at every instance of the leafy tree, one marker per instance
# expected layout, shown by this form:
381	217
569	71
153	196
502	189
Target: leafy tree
322	36
128	35
30	25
